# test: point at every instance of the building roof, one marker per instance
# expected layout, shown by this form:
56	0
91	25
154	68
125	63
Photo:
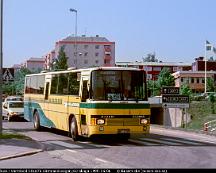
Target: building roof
36	59
87	39
194	72
154	63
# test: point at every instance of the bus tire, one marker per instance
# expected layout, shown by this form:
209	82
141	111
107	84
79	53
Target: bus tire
74	129
36	121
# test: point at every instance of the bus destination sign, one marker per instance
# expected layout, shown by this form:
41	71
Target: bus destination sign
170	90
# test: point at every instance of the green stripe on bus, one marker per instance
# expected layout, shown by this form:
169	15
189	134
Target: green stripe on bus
114	106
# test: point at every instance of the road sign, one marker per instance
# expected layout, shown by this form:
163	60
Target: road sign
175	101
170	90
175	105
8	74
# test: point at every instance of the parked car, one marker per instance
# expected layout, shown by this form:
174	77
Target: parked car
13	98
13	110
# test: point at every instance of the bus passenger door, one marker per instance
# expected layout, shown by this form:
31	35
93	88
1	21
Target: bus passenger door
84	117
46	97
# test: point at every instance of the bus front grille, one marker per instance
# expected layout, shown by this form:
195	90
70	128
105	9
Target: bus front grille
123	121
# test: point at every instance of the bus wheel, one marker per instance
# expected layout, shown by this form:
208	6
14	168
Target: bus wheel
74	129
36	121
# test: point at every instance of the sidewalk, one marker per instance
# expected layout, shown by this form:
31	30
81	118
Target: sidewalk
12	148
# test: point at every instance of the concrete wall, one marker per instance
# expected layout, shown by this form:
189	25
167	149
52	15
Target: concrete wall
175	117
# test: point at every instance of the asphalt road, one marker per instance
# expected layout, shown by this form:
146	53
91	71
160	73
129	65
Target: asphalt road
161	149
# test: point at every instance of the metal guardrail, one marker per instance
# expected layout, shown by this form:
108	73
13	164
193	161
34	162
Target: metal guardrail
210	126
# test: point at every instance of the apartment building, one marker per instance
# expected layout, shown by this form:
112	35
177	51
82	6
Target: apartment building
194	79
49	60
199	65
153	69
84	52
34	64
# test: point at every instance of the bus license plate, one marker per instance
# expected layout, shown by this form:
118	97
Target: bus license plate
123	130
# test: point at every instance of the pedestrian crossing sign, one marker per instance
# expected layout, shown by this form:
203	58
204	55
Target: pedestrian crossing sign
8	74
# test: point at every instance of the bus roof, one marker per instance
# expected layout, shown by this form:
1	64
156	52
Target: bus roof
87	70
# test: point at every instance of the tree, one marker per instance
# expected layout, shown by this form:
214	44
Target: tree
210	85
151	57
212	100
61	61
165	78
185	90
153	89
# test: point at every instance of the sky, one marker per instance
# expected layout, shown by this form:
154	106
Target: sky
175	30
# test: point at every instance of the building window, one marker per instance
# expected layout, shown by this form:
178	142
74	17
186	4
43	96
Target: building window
203	80
146	68
96	61
156	68
75	53
149	76
197	80
85	46
85	61
107	46
182	80
97	46
96	54
192	80
175	68
86	53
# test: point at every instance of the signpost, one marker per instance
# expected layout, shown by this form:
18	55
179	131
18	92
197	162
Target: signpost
170	90
172	99
8	74
175	101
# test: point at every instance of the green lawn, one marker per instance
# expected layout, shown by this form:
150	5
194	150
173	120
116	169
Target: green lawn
11	136
201	112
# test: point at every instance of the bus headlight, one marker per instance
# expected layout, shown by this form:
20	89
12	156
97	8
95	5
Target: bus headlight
100	121
143	121
13	113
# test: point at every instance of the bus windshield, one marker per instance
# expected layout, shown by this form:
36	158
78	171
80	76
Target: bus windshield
118	85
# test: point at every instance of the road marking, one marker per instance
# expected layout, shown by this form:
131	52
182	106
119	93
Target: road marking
95	145
183	141
64	144
101	160
142	142
72	151
160	141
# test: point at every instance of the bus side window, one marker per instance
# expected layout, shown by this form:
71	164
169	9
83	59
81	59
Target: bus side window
85	93
47	91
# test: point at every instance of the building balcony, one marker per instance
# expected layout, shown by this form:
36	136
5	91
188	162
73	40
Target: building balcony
107	57
107	49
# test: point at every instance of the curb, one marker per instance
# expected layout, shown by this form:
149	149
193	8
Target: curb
21	154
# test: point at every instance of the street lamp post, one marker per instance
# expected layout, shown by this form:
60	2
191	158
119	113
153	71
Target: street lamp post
75	11
1	58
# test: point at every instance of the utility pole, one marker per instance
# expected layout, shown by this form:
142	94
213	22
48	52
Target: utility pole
1	57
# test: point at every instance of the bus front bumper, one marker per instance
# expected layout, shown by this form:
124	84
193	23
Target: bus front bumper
100	129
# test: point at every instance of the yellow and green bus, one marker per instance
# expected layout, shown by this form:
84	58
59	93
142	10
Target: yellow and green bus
91	101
